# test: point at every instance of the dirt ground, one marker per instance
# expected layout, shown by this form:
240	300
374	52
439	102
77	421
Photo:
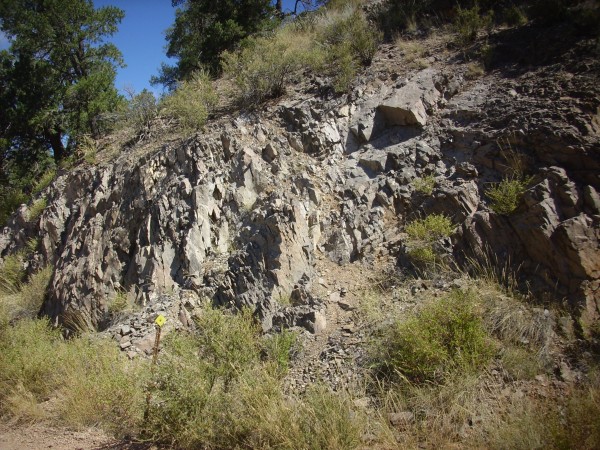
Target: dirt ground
41	436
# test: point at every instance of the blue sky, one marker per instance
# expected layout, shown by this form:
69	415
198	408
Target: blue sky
141	39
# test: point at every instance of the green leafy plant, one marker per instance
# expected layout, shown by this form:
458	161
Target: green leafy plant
192	102
505	196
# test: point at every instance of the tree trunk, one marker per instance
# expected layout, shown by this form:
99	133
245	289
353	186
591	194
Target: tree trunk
279	7
54	138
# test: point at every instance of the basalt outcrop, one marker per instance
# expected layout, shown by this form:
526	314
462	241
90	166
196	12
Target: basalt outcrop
237	213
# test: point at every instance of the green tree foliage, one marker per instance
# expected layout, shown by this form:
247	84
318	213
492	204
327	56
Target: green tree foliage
57	77
203	29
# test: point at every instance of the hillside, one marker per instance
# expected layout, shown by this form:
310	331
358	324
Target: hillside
431	237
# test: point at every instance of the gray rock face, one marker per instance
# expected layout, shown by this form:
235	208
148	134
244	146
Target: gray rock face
239	213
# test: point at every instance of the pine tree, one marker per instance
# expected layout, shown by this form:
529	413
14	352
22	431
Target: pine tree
57	77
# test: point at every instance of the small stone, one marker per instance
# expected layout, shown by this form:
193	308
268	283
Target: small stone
131	354
125	330
343	292
125	345
346	306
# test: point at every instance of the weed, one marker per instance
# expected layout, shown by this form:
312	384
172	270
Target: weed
424	185
506	195
36	209
444	337
431	228
101	387
263	67
192	102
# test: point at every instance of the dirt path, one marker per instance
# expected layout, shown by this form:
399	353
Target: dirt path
41	436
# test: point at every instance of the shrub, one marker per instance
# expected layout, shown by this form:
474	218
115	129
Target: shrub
279	348
424	185
431	228
44	181
514	16
100	387
36	209
192	102
32	294
142	108
91	380
423	256
444	337
348	41
10	200
468	22
264	65
12	274
506	195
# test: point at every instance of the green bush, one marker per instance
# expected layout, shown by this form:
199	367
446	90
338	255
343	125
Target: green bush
505	196
468	22
333	42
445	337
192	102
431	228
424	185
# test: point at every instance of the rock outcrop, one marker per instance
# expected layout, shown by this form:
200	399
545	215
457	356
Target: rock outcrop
238	213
